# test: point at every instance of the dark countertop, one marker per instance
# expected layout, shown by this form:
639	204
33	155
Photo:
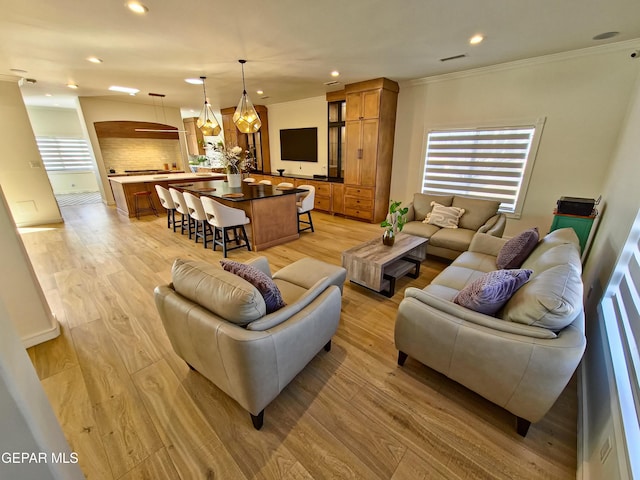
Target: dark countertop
304	177
249	191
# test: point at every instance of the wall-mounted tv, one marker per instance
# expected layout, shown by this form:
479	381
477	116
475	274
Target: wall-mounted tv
299	144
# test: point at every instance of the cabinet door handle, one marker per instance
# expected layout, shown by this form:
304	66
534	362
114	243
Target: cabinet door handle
360	153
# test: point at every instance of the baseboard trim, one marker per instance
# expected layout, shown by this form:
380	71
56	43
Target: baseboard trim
42	336
583	424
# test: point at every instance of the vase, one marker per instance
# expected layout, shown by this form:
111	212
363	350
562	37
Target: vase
388	237
234	180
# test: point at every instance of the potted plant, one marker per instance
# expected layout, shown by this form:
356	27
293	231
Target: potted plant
394	222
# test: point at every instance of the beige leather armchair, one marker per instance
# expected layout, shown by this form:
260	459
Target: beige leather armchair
217	322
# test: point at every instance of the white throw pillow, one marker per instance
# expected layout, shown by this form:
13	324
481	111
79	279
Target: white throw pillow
444	217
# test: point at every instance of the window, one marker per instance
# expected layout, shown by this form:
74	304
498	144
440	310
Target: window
64	154
337	115
492	163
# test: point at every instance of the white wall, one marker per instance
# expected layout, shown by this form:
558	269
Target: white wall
622	203
20	290
27	422
102	109
22	175
582	94
310	112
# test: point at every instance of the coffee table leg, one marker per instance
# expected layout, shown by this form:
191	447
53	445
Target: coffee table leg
417	263
392	286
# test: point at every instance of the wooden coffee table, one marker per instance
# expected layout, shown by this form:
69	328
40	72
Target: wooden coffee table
377	266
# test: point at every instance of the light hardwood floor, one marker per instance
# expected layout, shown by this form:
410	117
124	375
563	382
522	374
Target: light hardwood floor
132	409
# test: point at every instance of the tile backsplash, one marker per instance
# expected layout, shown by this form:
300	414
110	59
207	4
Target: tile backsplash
123	154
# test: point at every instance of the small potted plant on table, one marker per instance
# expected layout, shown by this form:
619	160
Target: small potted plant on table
394	222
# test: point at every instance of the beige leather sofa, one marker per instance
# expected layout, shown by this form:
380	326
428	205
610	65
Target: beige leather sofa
480	216
217	322
523	358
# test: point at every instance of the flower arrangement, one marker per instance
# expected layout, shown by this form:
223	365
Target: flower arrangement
234	159
396	218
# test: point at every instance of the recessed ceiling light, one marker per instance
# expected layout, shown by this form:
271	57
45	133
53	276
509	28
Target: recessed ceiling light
137	7
476	39
193	81
259	92
605	35
130	91
94	60
335	73
47	95
72	85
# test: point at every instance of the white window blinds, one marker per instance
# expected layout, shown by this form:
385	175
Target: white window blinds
490	163
620	308
64	154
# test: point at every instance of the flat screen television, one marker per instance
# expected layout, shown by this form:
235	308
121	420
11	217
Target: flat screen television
299	144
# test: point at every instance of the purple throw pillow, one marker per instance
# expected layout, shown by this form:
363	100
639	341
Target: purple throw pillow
488	294
265	285
517	249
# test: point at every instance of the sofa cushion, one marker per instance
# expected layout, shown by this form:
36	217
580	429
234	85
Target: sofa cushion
452	238
551	299
477	211
556	255
561	236
265	285
420	229
422	203
445	217
517	249
488	293
225	294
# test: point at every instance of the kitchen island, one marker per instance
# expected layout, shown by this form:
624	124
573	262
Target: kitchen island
123	188
272	210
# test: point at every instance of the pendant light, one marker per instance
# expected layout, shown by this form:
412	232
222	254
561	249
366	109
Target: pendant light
207	122
246	118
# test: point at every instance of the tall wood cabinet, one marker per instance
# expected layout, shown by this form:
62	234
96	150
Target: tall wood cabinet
370	128
255	142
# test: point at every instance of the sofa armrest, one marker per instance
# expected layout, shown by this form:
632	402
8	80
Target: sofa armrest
411	213
495	225
487	244
262	264
283	314
462	313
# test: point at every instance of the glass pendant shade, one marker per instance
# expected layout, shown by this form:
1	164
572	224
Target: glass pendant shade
246	118
207	122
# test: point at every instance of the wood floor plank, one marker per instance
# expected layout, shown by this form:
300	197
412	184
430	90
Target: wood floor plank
192	444
158	466
70	401
134	410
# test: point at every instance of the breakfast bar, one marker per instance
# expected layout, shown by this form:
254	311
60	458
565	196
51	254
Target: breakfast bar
124	187
272	210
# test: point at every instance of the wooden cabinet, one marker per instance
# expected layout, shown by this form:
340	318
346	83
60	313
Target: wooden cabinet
370	129
323	193
258	142
337	198
362	105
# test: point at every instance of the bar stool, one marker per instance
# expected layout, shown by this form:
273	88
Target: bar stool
223	219
285	185
183	210
196	211
167	202
265	182
305	205
139	208
249	180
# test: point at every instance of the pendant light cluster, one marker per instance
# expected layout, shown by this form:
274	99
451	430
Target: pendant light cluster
207	122
246	118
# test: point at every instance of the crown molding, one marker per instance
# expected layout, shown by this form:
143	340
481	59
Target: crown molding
544	59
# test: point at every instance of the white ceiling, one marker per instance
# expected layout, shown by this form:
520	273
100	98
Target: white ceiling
291	45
